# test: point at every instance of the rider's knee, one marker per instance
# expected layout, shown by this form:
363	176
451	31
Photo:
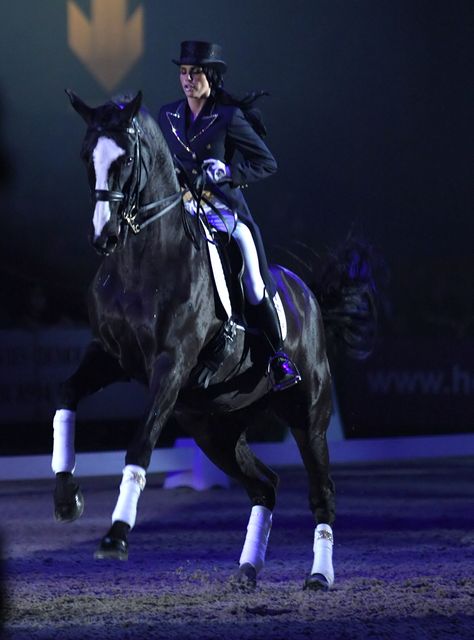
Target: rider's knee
243	234
254	288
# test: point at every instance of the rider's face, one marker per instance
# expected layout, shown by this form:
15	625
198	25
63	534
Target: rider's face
194	82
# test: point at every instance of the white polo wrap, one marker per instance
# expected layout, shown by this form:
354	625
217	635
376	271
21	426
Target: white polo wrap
323	545
133	483
64	428
256	540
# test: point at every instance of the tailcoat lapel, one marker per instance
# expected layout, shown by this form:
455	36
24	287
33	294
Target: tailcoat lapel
204	121
177	122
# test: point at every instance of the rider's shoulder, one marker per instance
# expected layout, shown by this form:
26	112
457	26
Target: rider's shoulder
228	111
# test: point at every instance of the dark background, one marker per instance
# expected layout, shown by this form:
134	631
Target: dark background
370	118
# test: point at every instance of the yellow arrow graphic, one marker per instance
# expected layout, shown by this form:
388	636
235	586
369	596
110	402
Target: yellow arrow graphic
109	44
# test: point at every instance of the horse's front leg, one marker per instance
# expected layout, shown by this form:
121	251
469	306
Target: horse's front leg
165	386
96	370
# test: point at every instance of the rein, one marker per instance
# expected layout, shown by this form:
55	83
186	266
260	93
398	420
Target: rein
136	227
196	189
131	210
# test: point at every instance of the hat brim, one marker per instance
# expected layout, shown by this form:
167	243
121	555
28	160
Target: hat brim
205	62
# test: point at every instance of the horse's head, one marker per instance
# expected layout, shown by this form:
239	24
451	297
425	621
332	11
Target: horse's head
112	153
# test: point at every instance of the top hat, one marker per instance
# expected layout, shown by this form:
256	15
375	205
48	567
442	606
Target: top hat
201	53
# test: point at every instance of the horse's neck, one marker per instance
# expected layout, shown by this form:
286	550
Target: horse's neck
161	251
162	180
166	232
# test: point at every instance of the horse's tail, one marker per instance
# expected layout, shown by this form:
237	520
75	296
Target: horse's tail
346	283
347	290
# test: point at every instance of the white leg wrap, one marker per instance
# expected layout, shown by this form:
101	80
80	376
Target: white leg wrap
323	544
256	540
133	483
64	428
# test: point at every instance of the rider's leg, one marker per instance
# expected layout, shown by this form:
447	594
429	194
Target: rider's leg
254	286
283	371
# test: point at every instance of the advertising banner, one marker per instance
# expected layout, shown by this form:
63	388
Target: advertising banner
409	387
33	363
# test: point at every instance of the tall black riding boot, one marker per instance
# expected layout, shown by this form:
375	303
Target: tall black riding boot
283	372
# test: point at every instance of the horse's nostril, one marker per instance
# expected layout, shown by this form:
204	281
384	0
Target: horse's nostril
105	246
111	244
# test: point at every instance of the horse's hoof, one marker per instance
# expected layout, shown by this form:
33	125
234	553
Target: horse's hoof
246	578
316	582
112	549
69	508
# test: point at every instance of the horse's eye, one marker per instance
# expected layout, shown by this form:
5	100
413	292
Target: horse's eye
129	161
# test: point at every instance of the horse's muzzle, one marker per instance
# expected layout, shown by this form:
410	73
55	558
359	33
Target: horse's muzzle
105	245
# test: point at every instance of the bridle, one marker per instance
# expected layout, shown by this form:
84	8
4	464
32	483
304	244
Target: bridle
130	212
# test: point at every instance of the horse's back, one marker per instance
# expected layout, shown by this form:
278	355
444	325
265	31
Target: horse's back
305	330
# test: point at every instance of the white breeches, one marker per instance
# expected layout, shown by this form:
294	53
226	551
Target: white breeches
254	287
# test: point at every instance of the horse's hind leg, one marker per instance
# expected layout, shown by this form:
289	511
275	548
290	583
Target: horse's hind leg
224	442
96	370
308	412
314	452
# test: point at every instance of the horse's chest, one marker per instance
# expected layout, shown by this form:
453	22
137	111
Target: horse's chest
117	300
125	308
125	320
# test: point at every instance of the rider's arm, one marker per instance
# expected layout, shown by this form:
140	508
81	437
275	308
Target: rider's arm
254	160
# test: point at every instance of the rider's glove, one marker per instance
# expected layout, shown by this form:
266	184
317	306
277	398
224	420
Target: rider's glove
216	170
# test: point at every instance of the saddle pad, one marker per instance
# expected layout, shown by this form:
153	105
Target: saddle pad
221	284
218	273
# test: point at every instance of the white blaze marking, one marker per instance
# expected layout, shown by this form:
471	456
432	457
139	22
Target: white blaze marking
106	151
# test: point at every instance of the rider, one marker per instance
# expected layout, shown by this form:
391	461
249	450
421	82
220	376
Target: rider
204	131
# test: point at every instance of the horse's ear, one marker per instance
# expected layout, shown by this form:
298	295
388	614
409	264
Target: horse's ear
130	110
80	106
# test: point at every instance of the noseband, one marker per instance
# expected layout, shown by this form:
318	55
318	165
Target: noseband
130	209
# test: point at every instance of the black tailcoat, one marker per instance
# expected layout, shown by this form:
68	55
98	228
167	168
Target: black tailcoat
221	132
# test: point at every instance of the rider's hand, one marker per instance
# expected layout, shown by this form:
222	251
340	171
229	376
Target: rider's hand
216	170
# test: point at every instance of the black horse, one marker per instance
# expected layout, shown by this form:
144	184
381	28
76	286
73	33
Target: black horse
153	312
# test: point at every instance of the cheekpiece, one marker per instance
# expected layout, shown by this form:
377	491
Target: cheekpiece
201	53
